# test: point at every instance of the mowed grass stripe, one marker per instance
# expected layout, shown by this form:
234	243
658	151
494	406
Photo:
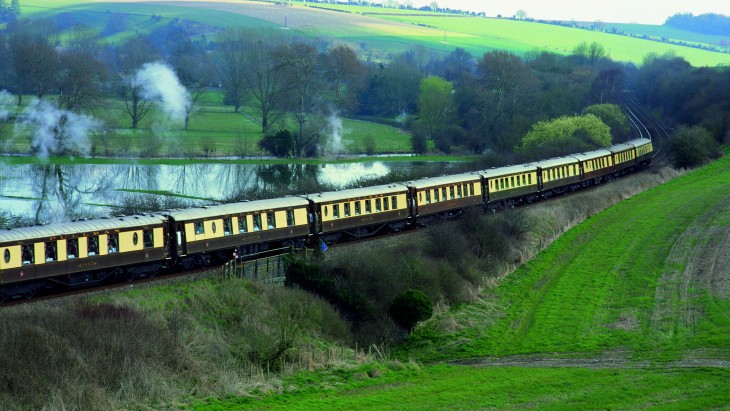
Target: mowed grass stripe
461	387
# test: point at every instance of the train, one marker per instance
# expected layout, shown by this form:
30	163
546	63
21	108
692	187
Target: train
92	251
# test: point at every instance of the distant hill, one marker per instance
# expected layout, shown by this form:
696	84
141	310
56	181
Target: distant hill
374	35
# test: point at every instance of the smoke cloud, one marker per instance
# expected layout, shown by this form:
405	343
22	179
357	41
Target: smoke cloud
57	131
159	83
335	143
6	99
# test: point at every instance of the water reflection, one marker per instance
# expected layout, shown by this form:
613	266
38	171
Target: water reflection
53	193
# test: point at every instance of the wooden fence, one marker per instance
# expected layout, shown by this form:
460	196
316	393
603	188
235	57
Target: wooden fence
268	270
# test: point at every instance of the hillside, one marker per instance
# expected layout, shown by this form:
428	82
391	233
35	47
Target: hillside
628	310
374	34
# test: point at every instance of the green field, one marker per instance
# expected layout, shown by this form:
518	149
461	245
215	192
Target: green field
214	130
397	31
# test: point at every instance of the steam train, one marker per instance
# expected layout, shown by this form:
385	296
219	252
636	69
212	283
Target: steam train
92	251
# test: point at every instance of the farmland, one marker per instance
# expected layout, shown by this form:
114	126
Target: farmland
391	33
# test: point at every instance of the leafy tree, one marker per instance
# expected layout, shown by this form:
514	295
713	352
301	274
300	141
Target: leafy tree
410	307
435	103
613	117
565	135
280	144
692	146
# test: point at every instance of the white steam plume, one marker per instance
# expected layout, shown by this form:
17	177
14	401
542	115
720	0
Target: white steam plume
6	99
57	131
335	144
159	83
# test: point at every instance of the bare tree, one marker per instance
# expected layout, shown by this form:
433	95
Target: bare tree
195	72
81	73
231	62
342	68
35	62
265	77
132	56
303	76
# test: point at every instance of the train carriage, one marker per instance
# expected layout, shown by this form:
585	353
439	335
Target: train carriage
202	233
624	156
509	185
82	252
444	196
556	175
359	211
595	165
644	150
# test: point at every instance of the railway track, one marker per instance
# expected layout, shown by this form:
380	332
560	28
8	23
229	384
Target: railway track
649	127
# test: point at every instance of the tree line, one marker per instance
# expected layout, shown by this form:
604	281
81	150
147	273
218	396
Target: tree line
708	23
453	102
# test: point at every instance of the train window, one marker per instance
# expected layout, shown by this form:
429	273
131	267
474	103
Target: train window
199	228
523	180
451	192
458	189
471	189
257	222
72	248
357	208
213	227
51	251
135	238
93	245
227	226
428	197
394	202
377	205
347	209
368	207
529	179
271	219
7	256
336	210
147	239
385	204
290	218
113	243
443	193
28	254
242	224
512	182
501	183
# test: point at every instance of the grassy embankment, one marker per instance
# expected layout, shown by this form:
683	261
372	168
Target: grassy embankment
631	306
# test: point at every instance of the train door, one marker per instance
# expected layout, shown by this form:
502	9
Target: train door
180	239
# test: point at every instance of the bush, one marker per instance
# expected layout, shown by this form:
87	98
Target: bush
692	146
410	307
280	144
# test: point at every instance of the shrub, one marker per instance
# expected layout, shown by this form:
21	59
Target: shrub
410	307
692	146
280	144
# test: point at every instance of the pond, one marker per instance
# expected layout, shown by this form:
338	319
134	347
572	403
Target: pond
48	193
